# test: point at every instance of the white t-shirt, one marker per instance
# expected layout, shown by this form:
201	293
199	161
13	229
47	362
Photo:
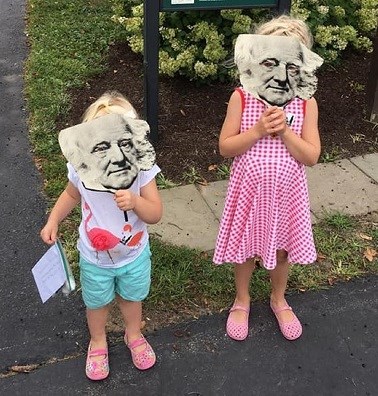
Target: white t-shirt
109	237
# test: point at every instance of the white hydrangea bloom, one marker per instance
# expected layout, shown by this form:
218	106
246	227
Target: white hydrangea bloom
323	10
231	15
364	43
339	11
204	70
348	33
367	19
136	43
323	35
137	11
167	33
242	24
187	57
330	55
167	64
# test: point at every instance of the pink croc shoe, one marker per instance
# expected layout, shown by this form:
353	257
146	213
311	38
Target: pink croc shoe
237	330
290	330
144	359
97	370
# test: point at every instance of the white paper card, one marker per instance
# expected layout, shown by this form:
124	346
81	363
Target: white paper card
175	2
49	273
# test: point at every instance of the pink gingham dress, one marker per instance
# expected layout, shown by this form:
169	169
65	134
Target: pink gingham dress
267	205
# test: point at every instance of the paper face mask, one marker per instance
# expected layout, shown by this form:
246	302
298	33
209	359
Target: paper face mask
108	152
275	69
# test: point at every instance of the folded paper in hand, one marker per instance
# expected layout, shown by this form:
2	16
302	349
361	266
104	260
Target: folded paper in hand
53	272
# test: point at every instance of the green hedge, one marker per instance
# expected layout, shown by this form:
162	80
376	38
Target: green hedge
197	44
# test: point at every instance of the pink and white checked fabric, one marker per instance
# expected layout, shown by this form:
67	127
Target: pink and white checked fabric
267	205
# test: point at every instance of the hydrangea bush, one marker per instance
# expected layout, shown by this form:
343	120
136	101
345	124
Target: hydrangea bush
337	24
198	44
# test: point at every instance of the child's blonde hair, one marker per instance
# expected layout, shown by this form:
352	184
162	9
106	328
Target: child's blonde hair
111	102
285	25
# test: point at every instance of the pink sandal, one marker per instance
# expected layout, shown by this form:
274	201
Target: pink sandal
144	359
97	370
290	330
237	330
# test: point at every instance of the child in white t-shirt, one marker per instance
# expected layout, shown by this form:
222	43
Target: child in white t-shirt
113	245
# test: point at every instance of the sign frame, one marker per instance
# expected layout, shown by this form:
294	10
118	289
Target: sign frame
151	36
186	5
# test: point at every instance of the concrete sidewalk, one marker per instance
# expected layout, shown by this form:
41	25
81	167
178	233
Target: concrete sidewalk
192	213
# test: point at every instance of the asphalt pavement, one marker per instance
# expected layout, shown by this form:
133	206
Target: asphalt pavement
336	355
30	331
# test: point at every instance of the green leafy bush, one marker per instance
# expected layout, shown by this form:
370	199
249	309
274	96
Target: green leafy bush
197	44
337	24
194	44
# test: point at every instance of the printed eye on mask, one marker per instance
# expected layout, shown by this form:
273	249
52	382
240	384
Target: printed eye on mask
276	69
108	152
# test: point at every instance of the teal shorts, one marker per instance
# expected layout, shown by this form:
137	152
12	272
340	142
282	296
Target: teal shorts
131	281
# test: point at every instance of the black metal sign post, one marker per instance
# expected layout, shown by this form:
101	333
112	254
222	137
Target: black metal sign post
151	41
372	88
151	65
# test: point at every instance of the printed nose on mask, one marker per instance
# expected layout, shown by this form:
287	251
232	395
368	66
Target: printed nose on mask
116	154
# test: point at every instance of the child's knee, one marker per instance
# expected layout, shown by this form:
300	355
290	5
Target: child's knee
281	257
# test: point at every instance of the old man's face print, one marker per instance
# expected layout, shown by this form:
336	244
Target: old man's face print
108	152
276	69
116	157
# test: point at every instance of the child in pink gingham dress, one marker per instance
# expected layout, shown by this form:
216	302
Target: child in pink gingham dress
267	204
267	212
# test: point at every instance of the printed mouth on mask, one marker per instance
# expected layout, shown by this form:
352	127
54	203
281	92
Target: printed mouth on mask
122	170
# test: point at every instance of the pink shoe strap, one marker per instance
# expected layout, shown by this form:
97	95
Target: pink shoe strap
97	352
239	308
278	310
136	343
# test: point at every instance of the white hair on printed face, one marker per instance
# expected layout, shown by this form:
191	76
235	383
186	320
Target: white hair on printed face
108	152
275	69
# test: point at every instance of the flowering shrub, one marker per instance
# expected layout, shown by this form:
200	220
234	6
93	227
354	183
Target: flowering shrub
337	24
197	44
194	44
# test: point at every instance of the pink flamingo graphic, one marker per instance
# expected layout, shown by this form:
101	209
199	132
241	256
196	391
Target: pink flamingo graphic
128	238
99	238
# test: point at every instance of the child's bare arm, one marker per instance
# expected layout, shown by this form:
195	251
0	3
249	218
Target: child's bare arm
305	148
69	198
231	141
147	206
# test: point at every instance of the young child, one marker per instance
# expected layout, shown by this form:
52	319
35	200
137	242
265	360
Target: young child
267	213
102	280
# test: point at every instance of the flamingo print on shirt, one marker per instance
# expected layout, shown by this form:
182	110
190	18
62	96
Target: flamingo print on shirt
129	239
104	240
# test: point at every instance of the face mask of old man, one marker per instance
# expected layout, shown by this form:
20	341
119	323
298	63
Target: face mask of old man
275	69
108	152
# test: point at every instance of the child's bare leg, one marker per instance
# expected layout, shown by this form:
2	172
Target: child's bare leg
278	278
243	273
132	316
142	354
96	319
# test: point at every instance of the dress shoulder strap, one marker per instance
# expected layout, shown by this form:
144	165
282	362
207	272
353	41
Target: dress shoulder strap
241	92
